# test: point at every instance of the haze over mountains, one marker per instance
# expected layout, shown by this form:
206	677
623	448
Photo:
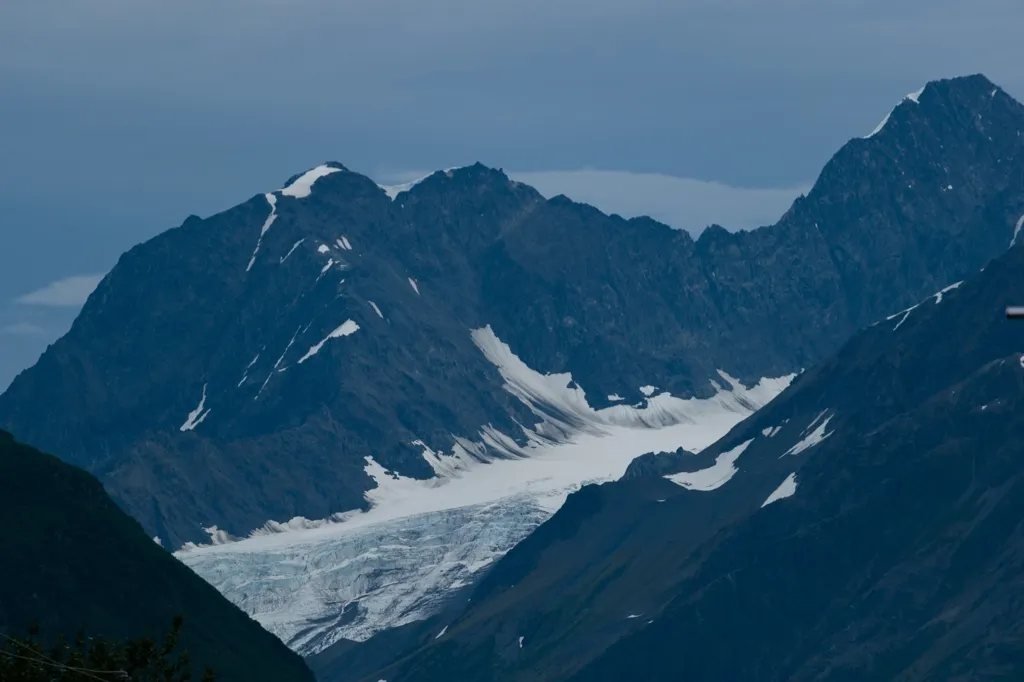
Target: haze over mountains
395	386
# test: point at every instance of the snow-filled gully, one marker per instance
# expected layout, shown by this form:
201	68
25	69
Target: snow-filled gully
313	582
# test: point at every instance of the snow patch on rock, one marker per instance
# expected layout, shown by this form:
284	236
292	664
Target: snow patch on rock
912	97
716	475
196	416
786	489
272	200
813	438
1016	230
302	186
346	328
938	295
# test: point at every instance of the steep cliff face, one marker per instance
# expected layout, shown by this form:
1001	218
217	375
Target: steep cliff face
242	368
864	525
892	546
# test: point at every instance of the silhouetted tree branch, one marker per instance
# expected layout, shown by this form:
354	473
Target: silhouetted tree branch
88	659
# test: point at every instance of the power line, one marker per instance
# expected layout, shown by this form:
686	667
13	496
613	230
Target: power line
45	660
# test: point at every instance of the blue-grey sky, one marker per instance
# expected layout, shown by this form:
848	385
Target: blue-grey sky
120	117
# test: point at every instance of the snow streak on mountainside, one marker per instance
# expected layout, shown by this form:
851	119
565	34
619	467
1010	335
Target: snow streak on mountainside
632	308
913	97
315	582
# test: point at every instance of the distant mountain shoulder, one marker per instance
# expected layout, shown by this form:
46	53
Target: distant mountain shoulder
71	559
895	551
864	525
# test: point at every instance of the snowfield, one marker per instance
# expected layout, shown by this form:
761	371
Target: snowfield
313	583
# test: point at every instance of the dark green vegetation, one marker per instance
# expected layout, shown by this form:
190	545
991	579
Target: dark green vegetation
899	558
72	559
28	659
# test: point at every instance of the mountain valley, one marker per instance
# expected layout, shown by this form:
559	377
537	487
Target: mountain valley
457	430
865	524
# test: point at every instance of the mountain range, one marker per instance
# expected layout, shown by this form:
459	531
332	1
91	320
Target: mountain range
386	389
239	369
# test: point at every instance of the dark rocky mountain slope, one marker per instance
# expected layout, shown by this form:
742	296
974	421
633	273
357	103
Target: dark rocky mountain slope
240	368
865	525
72	559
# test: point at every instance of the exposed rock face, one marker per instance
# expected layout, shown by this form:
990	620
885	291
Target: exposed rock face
241	368
865	524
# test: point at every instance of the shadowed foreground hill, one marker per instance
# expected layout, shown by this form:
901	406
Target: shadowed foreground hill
71	559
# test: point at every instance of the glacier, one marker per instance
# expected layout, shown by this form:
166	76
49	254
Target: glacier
315	582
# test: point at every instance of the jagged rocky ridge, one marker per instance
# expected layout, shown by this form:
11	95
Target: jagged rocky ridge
241	368
864	525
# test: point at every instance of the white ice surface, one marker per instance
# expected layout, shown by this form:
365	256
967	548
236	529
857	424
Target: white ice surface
615	398
415	287
716	475
312	582
376	310
218	536
302	186
196	416
786	489
770	431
